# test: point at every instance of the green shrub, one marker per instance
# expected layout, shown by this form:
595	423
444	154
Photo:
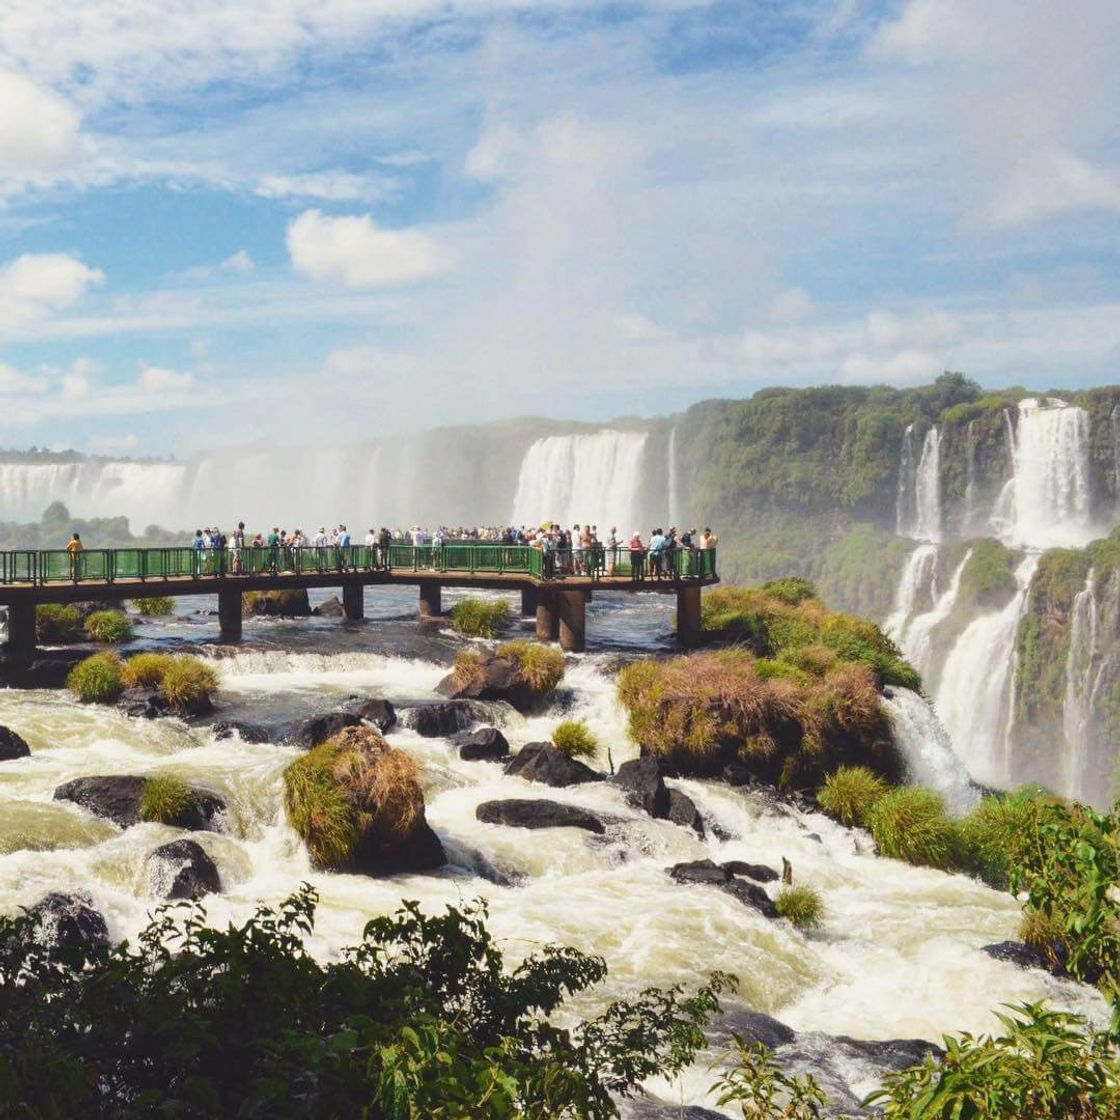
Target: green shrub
910	823
755	1083
97	679
539	665
996	831
155	606
166	800
801	905
479	618
791	589
146	670
109	626
575	739
988	579
188	681
58	624
849	793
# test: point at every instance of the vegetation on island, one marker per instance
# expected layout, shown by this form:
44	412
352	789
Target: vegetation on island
184	681
166	800
537	667
111	627
58	624
154	606
800	905
575	739
96	679
479	618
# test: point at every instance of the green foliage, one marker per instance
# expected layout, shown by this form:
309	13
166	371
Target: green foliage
910	823
479	618
56	525
988	579
112	627
188	681
755	1085
319	810
97	679
997	830
166	800
58	624
801	905
155	606
146	670
848	794
791	589
538	665
421	1019
575	739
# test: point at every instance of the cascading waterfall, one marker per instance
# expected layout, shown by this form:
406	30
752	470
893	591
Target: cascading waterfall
919	488
974	695
969	515
915	639
578	478
904	503
675	510
927	749
918	580
1077	710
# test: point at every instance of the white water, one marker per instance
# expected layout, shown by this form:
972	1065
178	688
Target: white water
675	511
927	750
582	478
919	494
915	639
969	516
917	587
974	695
1077	710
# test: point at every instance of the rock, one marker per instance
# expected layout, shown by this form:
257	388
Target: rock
759	872
543	762
318	729
754	1026
652	1108
645	789
143	703
737	774
498	678
683	812
332	608
12	745
1020	953
182	869
246	732
277	604
380	713
487	743
70	922
704	872
117	798
889	1054
438	720
537	813
751	894
39	672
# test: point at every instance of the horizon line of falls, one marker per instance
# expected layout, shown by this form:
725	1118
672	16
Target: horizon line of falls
591	477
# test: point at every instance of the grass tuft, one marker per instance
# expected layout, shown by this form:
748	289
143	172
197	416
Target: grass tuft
166	800
58	624
802	906
155	606
997	831
146	670
479	618
187	681
540	666
910	823
848	794
97	679
575	739
112	627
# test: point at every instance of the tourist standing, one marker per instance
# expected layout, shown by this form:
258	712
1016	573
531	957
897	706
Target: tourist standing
637	556
74	548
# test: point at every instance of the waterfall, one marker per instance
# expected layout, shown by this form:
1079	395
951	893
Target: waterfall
674	504
904	503
918	506
919	576
916	639
1077	708
927	750
969	514
579	478
974	695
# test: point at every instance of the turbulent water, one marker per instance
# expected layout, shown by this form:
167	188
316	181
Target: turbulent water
890	928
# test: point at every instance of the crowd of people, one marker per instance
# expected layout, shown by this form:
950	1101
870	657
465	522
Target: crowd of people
581	550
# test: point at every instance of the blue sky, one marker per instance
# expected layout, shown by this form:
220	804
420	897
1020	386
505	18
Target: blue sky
306	220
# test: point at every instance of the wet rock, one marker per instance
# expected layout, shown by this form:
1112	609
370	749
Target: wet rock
380	713
182	869
246	732
754	1026
438	720
318	729
117	798
683	812
332	608
645	789
759	872
497	679
292	603
703	872
651	1108
69	921
751	894
143	703
487	743
420	850
12	745
1020	953
543	762
891	1054
39	672
537	813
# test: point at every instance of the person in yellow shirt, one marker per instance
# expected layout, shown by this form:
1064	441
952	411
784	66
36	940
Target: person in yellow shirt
74	547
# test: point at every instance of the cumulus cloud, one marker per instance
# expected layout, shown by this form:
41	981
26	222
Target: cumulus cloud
356	253
38	129
238	262
35	284
156	379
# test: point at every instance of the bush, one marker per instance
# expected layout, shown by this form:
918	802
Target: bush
166	800
187	682
910	823
539	665
109	626
146	670
791	589
57	624
997	830
802	906
97	679
849	793
479	618
756	1084
155	606
575	739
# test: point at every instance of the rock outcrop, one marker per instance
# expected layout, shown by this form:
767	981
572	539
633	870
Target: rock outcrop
117	798
487	743
538	813
542	762
12	745
182	869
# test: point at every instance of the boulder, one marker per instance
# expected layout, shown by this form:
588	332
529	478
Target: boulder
182	869
498	678
1020	953
759	872
537	813
143	703
487	743
246	732
39	672
683	812
645	789
291	603
12	745
704	872
380	713
438	720
117	798
754	1026
318	729
332	608
70	922
543	762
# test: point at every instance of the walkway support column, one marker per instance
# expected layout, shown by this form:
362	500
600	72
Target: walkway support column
229	613
21	628
430	602
353	600
689	628
548	617
573	629
528	602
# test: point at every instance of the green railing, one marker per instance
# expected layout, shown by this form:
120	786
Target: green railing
95	565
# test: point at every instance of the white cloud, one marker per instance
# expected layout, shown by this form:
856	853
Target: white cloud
38	129
35	284
904	367
790	306
354	252
155	379
12	381
239	262
329	186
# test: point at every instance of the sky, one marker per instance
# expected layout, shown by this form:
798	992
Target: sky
303	221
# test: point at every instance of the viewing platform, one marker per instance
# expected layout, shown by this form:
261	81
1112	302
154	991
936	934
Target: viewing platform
555	586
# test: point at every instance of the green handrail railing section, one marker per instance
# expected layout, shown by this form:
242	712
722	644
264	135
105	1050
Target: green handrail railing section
97	565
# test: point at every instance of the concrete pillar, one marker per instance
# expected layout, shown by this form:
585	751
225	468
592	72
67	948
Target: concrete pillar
689	628
353	600
430	603
229	613
548	617
573	629
528	602
21	627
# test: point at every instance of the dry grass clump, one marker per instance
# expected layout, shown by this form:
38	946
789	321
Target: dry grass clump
467	672
842	717
540	666
575	739
145	670
1045	933
187	681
